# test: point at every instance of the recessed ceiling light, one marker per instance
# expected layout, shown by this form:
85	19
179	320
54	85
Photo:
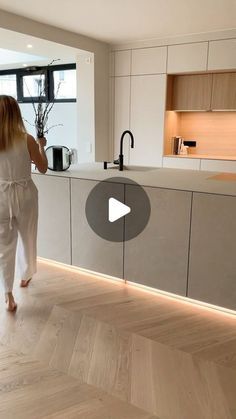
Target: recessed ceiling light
29	46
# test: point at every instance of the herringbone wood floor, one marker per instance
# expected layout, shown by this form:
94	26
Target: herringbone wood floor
83	347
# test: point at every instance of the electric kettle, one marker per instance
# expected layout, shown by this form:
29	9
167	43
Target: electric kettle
59	158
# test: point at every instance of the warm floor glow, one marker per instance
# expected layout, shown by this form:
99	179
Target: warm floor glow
167	295
83	271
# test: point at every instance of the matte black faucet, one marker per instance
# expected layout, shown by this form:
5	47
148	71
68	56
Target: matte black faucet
121	156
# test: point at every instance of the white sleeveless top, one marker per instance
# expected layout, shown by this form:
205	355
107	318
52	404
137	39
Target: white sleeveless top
15	163
15	172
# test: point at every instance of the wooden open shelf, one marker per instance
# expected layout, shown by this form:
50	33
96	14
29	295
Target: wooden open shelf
214	132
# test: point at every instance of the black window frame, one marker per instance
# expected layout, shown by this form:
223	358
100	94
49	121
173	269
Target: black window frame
30	72
5	73
59	67
49	82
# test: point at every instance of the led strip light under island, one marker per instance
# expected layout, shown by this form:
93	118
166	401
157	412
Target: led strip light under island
143	288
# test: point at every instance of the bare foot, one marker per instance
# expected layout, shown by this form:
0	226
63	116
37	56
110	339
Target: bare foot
11	304
25	282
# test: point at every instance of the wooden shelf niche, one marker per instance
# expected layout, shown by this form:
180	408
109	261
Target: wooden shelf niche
190	97
214	132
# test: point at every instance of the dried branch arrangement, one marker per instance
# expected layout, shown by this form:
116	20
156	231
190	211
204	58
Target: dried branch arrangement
42	108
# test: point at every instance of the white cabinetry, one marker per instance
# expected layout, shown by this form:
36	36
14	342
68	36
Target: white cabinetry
187	57
147	119
218	165
54	233
149	60
121	115
222	55
122	63
181	163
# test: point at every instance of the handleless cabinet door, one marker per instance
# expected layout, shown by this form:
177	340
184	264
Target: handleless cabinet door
90	251
122	63
149	60
148	95
121	115
192	92
212	265
222	55
54	234
181	163
224	91
187	57
158	257
218	165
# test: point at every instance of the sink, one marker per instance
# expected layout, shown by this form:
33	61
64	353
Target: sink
134	168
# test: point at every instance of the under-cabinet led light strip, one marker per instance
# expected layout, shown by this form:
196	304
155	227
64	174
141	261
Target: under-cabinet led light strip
186	300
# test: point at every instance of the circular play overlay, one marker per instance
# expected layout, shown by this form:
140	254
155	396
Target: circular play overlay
117	209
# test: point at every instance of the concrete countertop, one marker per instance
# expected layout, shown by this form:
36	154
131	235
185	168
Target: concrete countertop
179	179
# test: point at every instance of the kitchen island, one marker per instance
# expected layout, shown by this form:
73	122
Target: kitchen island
187	248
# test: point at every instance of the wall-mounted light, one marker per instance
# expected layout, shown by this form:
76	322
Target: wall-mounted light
29	46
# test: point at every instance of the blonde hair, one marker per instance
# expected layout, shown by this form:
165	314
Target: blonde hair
12	129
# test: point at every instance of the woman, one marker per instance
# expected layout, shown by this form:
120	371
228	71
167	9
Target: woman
18	198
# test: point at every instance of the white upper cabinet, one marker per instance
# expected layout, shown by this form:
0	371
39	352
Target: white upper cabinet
187	57
123	63
149	60
222	55
147	119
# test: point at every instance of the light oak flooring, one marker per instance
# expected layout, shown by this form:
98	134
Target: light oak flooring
83	347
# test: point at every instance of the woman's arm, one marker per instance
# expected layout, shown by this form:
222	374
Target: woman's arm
37	153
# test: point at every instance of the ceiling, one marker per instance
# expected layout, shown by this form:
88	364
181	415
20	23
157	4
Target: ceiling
14	52
117	21
14	57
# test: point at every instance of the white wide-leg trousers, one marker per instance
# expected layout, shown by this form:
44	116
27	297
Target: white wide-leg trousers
18	233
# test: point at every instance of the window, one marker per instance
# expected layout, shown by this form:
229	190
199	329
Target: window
55	82
8	85
34	86
64	82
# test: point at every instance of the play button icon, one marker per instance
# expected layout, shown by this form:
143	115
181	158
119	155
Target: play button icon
117	210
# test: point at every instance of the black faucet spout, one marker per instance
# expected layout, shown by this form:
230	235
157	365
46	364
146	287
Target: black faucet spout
121	156
122	140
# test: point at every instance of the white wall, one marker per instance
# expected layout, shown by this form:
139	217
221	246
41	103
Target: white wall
100	50
85	108
62	113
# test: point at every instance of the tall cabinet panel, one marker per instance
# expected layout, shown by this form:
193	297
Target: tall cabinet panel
89	250
54	231
212	265
147	119
121	115
158	257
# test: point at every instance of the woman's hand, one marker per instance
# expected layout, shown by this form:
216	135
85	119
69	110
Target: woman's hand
42	142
